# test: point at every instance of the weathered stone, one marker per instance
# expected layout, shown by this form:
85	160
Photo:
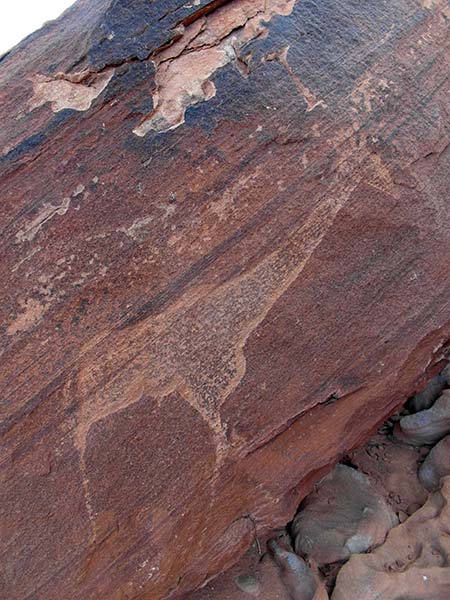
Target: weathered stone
436	465
392	468
427	426
412	563
342	516
426	397
206	303
299	580
278	575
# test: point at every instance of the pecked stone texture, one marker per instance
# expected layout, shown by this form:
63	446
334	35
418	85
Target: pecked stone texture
203	310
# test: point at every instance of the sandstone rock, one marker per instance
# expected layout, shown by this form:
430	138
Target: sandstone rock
436	465
278	575
392	468
412	563
224	255
299	580
425	398
446	375
343	516
427	426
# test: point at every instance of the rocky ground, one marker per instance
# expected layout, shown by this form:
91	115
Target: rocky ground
376	528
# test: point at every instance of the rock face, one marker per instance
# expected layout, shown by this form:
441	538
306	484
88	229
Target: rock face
343	516
224	261
412	563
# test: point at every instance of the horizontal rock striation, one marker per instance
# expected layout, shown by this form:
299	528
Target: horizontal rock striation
225	250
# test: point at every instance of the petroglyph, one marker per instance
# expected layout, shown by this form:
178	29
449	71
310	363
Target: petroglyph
184	71
310	99
76	91
134	230
48	212
196	347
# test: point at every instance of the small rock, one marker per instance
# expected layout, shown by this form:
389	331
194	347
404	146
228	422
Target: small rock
436	465
427	426
446	375
298	578
343	516
425	399
248	584
412	508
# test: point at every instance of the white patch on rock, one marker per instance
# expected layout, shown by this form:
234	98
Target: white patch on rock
76	91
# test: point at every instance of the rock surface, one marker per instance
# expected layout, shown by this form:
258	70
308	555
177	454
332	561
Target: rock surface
436	465
425	398
427	426
412	563
213	286
343	515
393	470
278	575
299	580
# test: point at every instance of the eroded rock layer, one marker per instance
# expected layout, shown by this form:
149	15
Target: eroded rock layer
225	249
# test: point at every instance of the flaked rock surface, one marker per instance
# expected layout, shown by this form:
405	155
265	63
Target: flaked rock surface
344	515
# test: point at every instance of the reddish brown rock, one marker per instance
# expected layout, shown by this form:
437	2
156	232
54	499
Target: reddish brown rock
436	465
212	287
412	563
344	515
393	468
255	576
427	426
278	575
